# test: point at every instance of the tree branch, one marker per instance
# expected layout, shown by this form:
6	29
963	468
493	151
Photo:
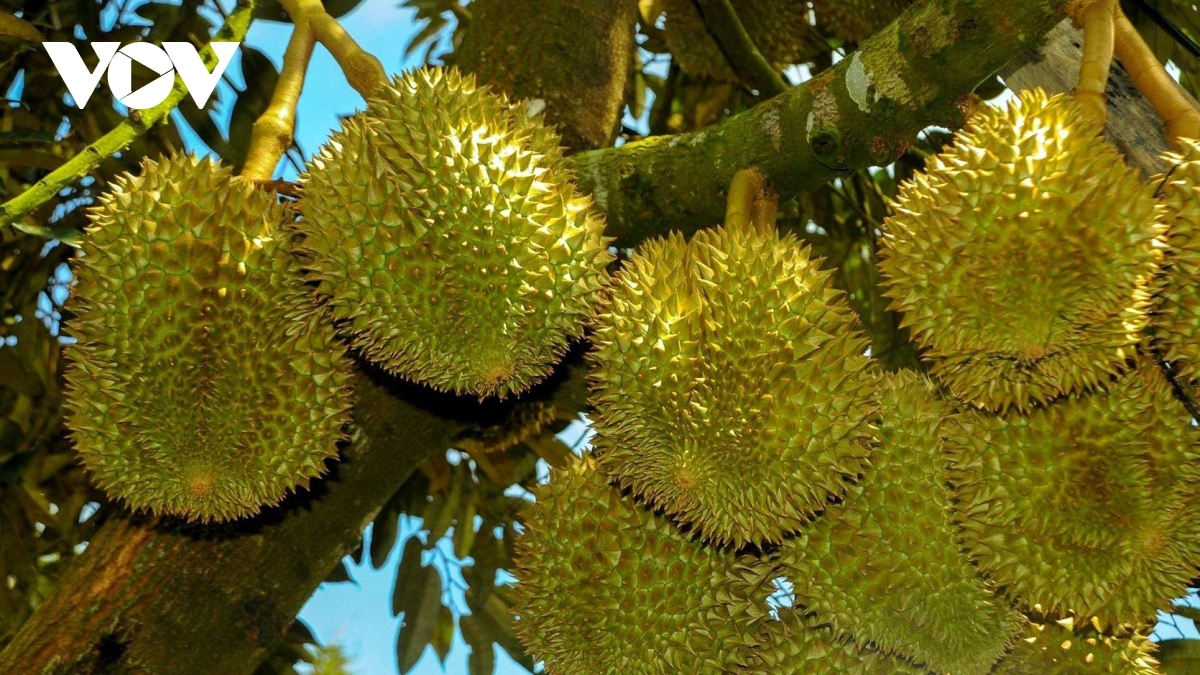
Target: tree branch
274	130
917	72
721	19
138	123
160	597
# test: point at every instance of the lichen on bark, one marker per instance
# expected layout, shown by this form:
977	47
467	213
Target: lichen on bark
865	111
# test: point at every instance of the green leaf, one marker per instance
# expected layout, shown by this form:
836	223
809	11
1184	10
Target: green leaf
1179	657
483	655
1188	611
443	633
383	536
418	596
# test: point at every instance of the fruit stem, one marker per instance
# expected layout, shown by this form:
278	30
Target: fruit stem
1098	20
274	130
363	71
116	140
745	190
1180	117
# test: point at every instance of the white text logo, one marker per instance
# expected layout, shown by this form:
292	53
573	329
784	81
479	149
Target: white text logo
118	61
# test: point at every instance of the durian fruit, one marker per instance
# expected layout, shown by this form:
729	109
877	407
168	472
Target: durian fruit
856	20
1177	321
205	383
1085	508
885	565
729	383
604	586
779	30
1053	648
444	225
1023	258
798	644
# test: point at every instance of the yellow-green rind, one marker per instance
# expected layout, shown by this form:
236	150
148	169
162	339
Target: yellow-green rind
606	587
729	384
1176	324
797	644
1052	649
205	383
444	225
1086	508
1024	257
885	566
779	30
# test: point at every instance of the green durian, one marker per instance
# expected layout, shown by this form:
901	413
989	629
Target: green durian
856	20
1177	321
1086	508
885	566
798	644
730	386
606	587
205	383
444	225
1024	257
779	30
1052	648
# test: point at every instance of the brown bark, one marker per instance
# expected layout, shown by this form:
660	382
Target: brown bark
866	110
575	56
158	597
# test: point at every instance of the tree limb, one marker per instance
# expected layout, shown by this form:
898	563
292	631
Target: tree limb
160	597
917	72
722	21
138	123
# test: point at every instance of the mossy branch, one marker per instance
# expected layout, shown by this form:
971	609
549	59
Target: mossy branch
867	110
275	128
721	19
138	123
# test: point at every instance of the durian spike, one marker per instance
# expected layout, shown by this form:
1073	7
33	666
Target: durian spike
275	128
1097	19
1180	117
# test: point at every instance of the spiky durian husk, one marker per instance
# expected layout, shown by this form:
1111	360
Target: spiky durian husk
1023	258
1177	321
1085	508
444	225
885	565
605	586
779	30
1053	649
856	20
730	387
205	383
797	644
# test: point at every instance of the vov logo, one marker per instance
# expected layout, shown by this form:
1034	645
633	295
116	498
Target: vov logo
118	61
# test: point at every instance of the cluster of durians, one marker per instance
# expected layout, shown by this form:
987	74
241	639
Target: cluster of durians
762	499
1028	506
440	237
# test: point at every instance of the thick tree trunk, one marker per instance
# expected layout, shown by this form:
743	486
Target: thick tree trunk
574	56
